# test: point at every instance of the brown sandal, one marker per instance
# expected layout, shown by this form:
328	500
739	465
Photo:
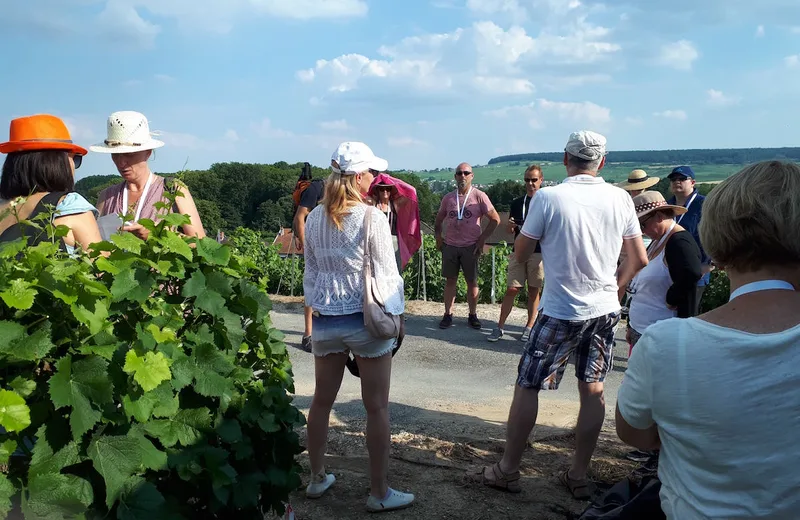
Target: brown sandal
502	481
580	489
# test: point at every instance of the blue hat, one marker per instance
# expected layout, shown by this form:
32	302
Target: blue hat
686	171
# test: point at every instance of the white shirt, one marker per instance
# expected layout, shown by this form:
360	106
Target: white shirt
333	281
727	405
581	224
649	287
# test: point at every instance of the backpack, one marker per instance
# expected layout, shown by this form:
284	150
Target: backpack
302	185
33	235
627	500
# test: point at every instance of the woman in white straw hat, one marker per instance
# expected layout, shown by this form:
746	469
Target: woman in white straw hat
637	182
334	289
131	145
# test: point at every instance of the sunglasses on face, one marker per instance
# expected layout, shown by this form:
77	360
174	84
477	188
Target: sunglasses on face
78	160
533	180
464	173
384	188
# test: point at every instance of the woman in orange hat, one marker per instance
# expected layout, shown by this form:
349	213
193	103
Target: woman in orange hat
40	168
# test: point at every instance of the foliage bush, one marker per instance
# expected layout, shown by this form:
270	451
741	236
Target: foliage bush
717	292
265	264
148	383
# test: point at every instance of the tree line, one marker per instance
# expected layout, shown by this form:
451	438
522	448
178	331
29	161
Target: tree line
676	157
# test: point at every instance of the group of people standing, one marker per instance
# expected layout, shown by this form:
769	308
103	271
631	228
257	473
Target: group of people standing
698	389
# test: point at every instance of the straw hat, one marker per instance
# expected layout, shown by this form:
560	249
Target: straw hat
127	132
39	132
650	201
638	180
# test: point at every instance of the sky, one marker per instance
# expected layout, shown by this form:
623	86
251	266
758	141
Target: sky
426	83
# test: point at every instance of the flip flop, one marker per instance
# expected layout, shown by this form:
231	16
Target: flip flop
502	481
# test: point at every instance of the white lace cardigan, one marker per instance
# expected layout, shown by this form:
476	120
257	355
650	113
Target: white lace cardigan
333	282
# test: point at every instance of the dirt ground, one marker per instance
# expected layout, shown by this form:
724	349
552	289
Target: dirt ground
433	466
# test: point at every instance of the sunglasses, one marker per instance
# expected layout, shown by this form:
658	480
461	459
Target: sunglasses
533	180
464	173
384	188
78	160
679	179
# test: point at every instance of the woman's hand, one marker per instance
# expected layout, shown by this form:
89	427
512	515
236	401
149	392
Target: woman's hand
138	230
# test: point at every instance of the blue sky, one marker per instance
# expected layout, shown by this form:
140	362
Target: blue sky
426	83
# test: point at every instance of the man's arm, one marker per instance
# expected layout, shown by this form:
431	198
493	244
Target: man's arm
635	260
524	247
646	440
494	221
300	227
437	228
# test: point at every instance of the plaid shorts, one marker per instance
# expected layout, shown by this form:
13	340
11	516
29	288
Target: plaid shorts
553	342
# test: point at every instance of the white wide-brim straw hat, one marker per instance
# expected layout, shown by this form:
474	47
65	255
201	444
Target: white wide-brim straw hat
127	132
638	180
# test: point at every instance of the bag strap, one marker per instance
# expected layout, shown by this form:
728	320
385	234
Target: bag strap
367	254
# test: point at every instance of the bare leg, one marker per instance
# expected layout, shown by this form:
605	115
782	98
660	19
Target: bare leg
450	288
375	377
508	304
590	422
328	372
521	420
533	305
308	311
472	297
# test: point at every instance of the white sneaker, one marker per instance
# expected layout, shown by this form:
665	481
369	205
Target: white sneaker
394	500
319	484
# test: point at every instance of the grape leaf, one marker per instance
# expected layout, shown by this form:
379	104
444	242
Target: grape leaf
165	335
63	271
213	252
22	386
54	495
32	347
207	300
14	413
45	461
115	266
219	282
211	384
174	243
96	320
6	449
134	285
149	371
230	430
6	492
185	428
140	500
116	458
152	457
19	295
176	219
160	402
78	385
128	242
9	333
12	249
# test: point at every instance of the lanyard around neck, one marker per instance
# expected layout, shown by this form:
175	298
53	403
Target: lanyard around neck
654	247
460	208
140	204
761	285
688	205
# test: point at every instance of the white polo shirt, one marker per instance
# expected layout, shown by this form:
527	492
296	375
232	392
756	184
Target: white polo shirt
580	224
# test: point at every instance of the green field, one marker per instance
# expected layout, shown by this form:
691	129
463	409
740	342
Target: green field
615	172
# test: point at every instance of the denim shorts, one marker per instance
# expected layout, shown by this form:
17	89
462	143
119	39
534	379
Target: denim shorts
338	334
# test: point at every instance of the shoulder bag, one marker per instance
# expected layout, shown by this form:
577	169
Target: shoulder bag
377	321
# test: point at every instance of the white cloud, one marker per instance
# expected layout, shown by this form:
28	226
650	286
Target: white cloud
265	130
164	78
490	7
678	55
340	124
717	99
792	61
501	85
760	31
678	115
498	47
121	23
535	112
405	142
308	9
795	30
562	82
634	121
231	135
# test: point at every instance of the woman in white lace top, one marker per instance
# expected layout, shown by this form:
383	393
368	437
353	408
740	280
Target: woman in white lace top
334	289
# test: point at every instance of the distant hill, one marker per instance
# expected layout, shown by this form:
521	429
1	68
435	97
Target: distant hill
672	157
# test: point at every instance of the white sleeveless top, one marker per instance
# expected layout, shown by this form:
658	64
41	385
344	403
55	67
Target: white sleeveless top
649	287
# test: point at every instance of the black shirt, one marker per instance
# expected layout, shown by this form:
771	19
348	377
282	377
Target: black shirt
313	194
683	258
516	213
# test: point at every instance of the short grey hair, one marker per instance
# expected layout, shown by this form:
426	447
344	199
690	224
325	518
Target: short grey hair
583	164
752	219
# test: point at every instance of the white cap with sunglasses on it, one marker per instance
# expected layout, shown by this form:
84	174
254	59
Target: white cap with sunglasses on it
353	157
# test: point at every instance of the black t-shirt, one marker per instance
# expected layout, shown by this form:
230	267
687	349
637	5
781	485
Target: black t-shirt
516	213
683	258
313	194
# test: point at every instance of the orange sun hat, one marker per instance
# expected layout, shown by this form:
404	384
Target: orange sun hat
40	132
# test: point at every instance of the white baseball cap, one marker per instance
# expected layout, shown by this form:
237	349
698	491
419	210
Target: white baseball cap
353	157
586	145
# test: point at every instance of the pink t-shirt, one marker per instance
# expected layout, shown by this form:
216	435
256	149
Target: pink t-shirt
466	231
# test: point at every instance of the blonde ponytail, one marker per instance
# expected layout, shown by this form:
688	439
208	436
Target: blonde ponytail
342	192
